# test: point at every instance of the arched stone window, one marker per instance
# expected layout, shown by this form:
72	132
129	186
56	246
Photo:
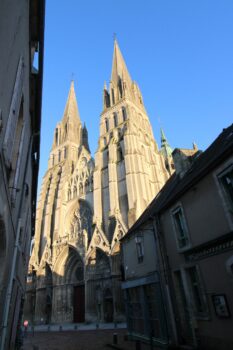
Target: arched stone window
113	97
106	125
75	192
124	114
120	87
66	129
86	185
119	153
56	136
115	121
80	188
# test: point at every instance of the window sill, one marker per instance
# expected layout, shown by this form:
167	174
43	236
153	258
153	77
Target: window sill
184	249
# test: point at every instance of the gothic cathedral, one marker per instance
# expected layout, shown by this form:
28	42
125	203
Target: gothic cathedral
87	205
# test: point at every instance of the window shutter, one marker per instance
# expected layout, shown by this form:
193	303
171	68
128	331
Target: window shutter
18	166
14	114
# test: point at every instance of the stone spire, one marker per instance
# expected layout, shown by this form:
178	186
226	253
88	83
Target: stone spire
119	69
71	112
121	85
69	129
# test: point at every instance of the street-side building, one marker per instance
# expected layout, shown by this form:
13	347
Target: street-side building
189	224
21	70
87	205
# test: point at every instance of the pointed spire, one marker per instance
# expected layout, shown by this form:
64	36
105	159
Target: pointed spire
166	150
195	146
71	111
163	137
70	126
119	67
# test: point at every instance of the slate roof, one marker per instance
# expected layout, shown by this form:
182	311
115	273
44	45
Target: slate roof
216	153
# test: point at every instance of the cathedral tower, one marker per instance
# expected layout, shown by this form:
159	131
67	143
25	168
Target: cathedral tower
129	172
63	225
129	167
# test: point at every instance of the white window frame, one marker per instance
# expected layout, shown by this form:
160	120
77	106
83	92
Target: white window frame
178	238
204	314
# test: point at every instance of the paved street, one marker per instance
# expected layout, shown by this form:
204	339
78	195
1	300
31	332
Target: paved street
100	339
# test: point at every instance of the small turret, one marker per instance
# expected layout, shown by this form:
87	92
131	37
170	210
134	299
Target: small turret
106	97
166	151
84	142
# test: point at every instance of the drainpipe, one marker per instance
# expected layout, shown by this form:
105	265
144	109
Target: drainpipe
13	266
164	276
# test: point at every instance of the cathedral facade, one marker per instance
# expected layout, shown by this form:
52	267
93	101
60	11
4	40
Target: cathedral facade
86	206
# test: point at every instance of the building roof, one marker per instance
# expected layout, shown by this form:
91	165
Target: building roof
219	150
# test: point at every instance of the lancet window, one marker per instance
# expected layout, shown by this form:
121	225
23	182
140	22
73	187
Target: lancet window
115	119
124	114
106	125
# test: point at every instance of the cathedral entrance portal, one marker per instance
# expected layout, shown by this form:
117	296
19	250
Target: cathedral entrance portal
79	304
69	292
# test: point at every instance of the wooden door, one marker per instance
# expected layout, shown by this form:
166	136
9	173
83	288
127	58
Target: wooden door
79	304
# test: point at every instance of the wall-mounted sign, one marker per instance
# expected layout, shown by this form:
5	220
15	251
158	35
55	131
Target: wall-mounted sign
221	306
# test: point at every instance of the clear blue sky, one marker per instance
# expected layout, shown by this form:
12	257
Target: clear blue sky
180	52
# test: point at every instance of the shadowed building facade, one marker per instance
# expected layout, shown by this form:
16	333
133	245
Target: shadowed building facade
21	75
86	206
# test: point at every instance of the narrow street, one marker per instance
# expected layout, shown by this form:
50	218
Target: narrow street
79	340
